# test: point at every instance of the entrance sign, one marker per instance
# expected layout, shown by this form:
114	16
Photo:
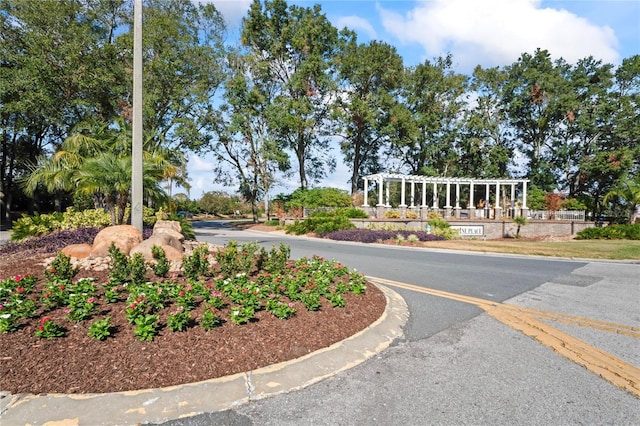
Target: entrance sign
469	231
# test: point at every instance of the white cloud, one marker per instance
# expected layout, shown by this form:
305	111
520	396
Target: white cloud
198	164
232	10
357	24
497	32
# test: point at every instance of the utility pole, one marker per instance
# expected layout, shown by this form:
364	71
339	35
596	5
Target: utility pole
136	147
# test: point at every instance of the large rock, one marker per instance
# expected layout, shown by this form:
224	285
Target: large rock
125	237
173	254
78	251
169	232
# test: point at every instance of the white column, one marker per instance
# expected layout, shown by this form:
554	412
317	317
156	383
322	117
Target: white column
471	204
424	194
448	196
380	190
487	207
435	196
387	194
402	190
457	195
524	195
366	190
497	195
513	197
413	189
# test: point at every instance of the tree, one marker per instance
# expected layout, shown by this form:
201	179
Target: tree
247	153
370	73
627	193
536	109
427	126
295	46
487	146
56	69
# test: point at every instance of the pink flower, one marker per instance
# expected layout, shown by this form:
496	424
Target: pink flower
181	293
18	278
290	305
1	307
91	300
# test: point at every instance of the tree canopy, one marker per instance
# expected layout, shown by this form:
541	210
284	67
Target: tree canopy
283	103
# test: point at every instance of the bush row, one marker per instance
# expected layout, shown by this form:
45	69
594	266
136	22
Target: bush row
612	232
375	235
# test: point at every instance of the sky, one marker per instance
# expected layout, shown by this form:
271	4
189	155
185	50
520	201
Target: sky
475	32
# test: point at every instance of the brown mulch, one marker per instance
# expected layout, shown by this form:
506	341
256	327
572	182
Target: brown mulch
78	364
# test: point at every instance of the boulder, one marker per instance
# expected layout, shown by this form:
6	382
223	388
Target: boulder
78	251
173	225
169	237
173	254
125	237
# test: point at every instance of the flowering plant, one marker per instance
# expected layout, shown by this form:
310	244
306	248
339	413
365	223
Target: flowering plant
179	320
49	329
146	327
279	308
100	329
210	318
241	314
81	306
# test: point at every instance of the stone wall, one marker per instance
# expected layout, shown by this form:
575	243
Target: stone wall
489	229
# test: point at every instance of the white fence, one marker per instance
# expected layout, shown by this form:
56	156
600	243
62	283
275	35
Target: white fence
557	214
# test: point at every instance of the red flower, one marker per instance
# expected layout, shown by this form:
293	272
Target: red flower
41	328
62	287
18	278
20	289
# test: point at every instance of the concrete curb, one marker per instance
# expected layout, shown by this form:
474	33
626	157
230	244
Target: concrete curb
163	404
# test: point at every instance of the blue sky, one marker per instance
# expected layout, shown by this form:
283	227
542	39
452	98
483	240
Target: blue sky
475	32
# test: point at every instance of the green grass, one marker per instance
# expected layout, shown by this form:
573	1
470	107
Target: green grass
586	249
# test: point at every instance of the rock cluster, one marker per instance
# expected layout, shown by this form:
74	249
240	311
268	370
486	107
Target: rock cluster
166	234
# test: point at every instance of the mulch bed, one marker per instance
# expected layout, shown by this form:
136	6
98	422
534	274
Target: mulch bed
78	364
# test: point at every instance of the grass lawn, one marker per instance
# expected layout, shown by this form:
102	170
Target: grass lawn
587	249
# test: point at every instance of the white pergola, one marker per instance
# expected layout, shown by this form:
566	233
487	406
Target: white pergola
384	180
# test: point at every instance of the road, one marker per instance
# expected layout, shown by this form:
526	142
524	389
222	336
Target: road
467	356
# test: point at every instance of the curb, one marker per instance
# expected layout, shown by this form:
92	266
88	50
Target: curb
163	404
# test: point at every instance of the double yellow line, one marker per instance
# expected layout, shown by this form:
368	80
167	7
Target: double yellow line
528	321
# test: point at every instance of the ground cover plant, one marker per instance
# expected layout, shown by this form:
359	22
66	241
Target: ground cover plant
125	328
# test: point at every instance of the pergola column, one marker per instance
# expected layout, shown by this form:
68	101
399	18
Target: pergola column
435	196
387	204
487	206
424	194
380	191
413	189
497	215
402	190
457	207
366	190
513	200
472	206
447	206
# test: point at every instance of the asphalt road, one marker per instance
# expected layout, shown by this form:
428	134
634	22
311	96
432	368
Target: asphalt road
457	364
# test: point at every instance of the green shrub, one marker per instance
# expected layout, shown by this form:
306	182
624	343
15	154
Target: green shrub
43	224
319	197
612	232
320	224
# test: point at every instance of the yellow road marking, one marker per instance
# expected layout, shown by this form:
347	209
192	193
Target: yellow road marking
526	320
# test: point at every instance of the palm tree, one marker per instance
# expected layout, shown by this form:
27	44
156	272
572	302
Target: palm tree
110	175
627	191
96	160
